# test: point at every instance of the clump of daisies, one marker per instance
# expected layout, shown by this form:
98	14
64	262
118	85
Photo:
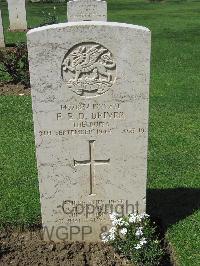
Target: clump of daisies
135	237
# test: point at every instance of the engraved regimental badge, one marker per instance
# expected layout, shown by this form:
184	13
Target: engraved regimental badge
89	69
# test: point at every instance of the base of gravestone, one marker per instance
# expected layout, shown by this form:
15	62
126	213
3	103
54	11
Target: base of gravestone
27	248
20	30
14	90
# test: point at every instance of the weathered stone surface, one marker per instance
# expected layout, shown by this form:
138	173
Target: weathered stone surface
17	15
2	43
86	10
90	93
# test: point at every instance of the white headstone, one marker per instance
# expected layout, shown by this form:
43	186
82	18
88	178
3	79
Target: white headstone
2	43
90	94
17	15
86	10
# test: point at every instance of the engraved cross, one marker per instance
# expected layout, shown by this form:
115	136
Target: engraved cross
91	162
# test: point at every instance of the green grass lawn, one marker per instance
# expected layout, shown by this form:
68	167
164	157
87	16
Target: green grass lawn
173	165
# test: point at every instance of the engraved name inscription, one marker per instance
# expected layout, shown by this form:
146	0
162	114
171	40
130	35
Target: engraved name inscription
91	119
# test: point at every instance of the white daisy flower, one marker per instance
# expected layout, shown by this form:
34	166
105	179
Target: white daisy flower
112	230
113	216
139	231
132	218
143	215
143	241
123	231
138	246
111	236
104	237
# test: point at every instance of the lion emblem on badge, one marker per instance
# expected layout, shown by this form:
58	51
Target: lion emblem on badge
89	69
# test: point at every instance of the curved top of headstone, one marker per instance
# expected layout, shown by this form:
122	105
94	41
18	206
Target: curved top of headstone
86	10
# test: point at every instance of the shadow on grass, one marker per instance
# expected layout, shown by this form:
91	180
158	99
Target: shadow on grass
172	205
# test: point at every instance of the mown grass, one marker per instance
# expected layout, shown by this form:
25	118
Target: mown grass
19	196
173	165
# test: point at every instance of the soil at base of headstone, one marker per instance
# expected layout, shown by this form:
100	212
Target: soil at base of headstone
27	248
12	89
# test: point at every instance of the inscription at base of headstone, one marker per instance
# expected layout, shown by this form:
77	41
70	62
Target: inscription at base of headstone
2	43
17	15
90	94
